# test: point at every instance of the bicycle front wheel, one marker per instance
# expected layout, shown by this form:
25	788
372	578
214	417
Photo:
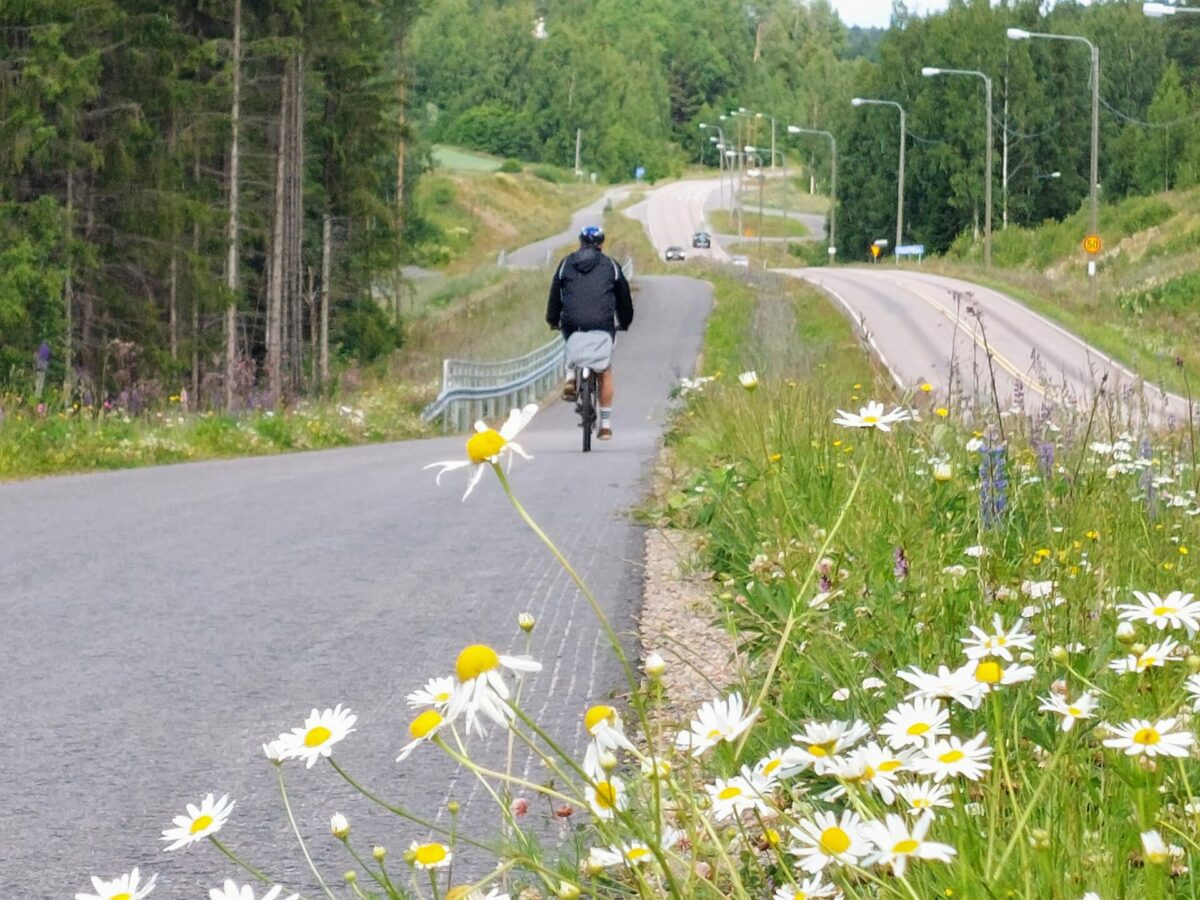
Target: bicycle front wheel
587	409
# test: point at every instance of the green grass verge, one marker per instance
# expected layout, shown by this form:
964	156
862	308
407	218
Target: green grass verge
725	222
447	157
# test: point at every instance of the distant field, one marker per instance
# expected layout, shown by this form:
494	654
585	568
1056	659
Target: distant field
462	160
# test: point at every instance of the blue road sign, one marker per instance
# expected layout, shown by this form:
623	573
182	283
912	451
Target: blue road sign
910	250
639	173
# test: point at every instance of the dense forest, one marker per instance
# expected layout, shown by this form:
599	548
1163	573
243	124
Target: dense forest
215	196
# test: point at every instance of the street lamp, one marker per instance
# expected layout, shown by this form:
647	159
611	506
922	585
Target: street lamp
931	71
1158	10
761	177
739	114
860	101
795	129
720	141
1020	34
1050	175
772	118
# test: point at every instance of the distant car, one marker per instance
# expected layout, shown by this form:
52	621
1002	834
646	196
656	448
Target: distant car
743	261
674	254
702	239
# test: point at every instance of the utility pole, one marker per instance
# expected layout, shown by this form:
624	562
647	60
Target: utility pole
578	143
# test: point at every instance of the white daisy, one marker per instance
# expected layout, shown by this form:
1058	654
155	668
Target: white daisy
730	797
1176	610
231	891
825	838
1192	686
321	730
200	821
429	856
1156	851
1140	737
991	675
749	380
808	889
437	693
999	642
820	743
422	729
126	887
916	723
604	724
778	764
873	768
923	797
1081	707
953	757
895	842
487	445
1154	656
716	721
607	797
959	685
632	854
481	688
872	416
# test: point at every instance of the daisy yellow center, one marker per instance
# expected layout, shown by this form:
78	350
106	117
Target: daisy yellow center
821	750
772	836
443	697
714	734
1074	711
598	714
920	803
430	854
729	793
459	892
637	853
606	795
890	765
1147	660
907	846
317	736
952	757
1146	737
772	766
834	840
870	420
484	445
1165	610
121	897
988	672
917	728
200	823
475	660
424	724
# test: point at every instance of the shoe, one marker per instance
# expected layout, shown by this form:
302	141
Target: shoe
568	393
605	433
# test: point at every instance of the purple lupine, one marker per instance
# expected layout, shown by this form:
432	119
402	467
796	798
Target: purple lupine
1045	458
899	564
993	484
41	357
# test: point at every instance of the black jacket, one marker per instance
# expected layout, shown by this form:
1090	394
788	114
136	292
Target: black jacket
589	293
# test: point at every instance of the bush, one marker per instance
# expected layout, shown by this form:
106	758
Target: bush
510	166
494	129
553	174
441	191
367	333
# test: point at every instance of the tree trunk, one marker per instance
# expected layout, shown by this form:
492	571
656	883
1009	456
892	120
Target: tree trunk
172	297
231	261
274	336
195	296
296	270
326	266
69	295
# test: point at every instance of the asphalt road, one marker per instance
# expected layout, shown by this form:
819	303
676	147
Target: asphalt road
673	213
161	624
919	323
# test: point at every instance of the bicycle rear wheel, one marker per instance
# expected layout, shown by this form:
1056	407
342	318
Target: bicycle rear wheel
587	408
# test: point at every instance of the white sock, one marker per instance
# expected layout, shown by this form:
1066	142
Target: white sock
605	416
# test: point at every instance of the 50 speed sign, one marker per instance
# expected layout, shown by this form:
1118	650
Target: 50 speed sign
1092	244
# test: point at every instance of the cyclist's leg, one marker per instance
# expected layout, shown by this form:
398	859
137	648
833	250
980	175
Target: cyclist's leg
607	389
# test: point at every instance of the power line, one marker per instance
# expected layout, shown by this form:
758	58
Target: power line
1120	115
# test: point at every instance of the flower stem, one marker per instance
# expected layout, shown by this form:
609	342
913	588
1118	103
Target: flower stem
295	829
239	861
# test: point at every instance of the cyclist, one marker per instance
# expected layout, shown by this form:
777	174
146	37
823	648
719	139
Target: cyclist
589	293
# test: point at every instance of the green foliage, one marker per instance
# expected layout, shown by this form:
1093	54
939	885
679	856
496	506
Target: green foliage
493	129
33	271
510	166
1176	295
367	333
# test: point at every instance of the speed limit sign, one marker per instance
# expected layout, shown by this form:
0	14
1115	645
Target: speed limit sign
1092	244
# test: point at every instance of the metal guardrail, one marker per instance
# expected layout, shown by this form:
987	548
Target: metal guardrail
480	390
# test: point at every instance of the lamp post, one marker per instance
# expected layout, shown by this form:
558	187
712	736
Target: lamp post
739	114
931	71
772	118
720	142
860	101
762	178
1047	175
795	129
1158	10
1020	34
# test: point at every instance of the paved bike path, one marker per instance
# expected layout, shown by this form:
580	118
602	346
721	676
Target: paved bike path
160	624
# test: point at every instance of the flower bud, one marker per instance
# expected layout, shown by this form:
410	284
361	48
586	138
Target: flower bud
379	853
608	760
1125	632
654	666
526	621
1193	663
568	891
1137	649
351	877
942	471
1039	839
452	807
749	380
1058	653
339	826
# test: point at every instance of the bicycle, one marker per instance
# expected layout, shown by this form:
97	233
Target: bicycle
587	403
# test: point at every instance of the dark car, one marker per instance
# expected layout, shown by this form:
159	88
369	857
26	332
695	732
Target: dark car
674	254
702	239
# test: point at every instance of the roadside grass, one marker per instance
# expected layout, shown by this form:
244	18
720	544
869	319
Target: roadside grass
798	197
725	222
1141	307
460	159
842	556
476	214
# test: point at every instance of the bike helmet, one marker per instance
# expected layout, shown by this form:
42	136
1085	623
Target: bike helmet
591	236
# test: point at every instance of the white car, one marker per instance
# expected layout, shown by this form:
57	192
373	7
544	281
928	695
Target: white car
743	261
